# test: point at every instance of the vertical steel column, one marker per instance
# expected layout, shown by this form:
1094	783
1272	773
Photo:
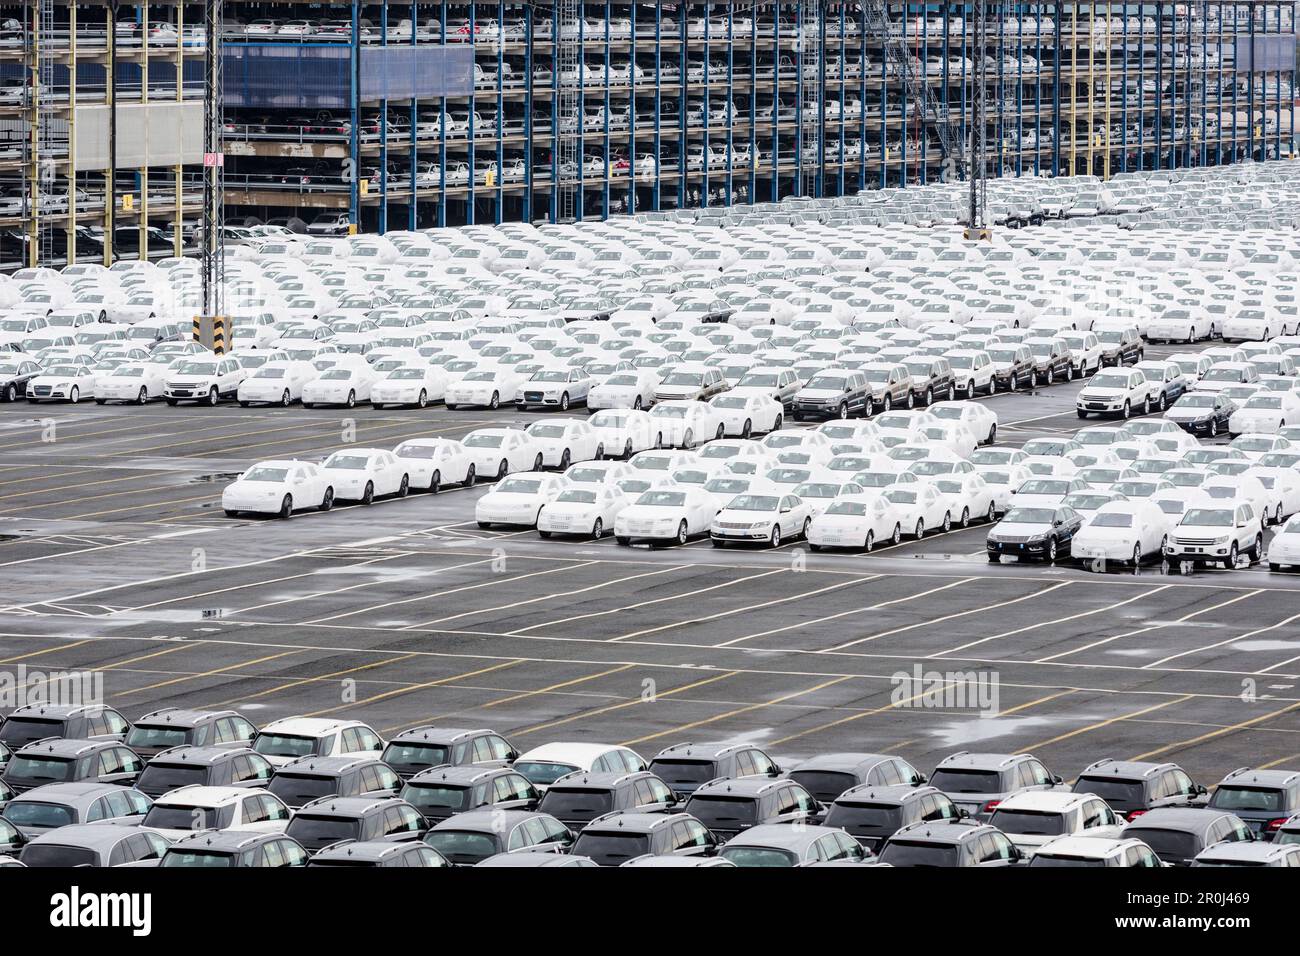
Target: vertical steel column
412	208
501	113
442	119
354	91
631	116
658	168
529	145
382	224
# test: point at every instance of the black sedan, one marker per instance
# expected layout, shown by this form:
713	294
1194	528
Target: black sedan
15	373
1044	533
1202	413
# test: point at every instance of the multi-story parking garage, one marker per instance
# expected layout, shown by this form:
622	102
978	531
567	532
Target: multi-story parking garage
382	116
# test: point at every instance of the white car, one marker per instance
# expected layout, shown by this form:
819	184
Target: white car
340	385
1002	482
978	419
554	388
1038	492
632	388
432	463
738	456
686	423
1032	818
966	496
180	812
138	382
919	508
586	510
278	488
543	765
364	474
203	380
855	521
744	414
416	385
1123	532
62	383
1216	531
1118	391
496	452
1284	549
564	441
517	500
1265	414
276	383
291	738
662	515
754	517
485	388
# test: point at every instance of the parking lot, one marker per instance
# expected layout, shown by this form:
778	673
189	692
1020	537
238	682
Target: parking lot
117	557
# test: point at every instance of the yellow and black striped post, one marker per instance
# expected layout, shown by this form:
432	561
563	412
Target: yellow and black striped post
210	332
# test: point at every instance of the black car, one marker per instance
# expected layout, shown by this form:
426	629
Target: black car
86	722
834	393
15	373
615	838
728	807
442	792
1030	532
1264	799
932	378
1203	413
1177	834
206	766
173	727
72	761
872	814
311	778
420	748
1052	360
1132	787
578	798
327	821
826	776
1120	346
234	848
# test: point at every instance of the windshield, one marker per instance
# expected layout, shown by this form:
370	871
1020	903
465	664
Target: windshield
1208	518
662	499
754	503
908	853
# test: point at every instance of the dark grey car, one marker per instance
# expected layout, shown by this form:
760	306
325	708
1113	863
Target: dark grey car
470	838
442	792
826	776
206	766
311	778
779	845
615	838
728	807
93	844
70	761
684	767
1264	799
953	844
580	797
173	727
420	748
55	805
234	848
872	814
378	853
1132	787
325	822
39	721
977	782
1177	834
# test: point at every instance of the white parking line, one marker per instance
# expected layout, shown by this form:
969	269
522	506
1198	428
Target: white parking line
1231	640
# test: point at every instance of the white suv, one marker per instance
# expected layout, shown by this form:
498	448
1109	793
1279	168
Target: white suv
184	810
1216	531
1118	391
203	380
283	741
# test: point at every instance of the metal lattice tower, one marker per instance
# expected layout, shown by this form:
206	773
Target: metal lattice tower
568	120
810	48
213	222
41	103
977	211
902	65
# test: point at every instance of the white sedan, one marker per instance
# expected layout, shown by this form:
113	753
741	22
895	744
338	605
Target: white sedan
276	383
770	518
920	508
633	388
434	462
626	431
416	385
340	385
686	423
979	419
662	515
743	414
485	388
1265	414
1123	532
856	521
138	382
496	452
1284	549
62	383
517	500
364	474
565	441
279	488
588	510
966	496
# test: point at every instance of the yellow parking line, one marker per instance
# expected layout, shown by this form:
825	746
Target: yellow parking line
44	650
681	728
149	504
107	494
1153	627
746	609
1218	733
1275	763
1106	723
892	705
334	675
211	673
411	688
624	704
519	696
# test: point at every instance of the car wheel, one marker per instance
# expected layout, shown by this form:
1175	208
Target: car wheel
1128	411
688	441
597	530
870	543
947	522
747	429
1069	372
897	536
636	405
1051	377
1137	555
1012	383
1161	404
911	399
991	515
327	502
11	393
286	506
495	401
435	483
627	449
74	396
423	400
503	469
352	399
965	517
682	532
1146	405
721	432
368	496
1051	550
843	411
285	399
404	488
807	523
920	528
1232	557
952	392
1257	550
565	459
470	476
141	397
1214	427
774	538
537	462
564	402
970	389
213	396
659	440
887	404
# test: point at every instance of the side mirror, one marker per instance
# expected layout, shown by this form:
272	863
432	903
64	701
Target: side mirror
1056	779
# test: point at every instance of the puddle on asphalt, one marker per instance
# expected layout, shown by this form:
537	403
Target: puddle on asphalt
1264	646
987	728
173	617
217	476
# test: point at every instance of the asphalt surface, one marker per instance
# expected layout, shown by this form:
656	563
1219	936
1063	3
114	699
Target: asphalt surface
115	556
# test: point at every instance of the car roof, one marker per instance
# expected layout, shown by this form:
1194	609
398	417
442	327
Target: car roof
66	747
634	821
1125	768
347	806
338	764
1249	777
783	835
56	710
197	755
568	752
229	841
532	859
841	761
981	761
941	832
739	787
584	779
81	792
487	820
312	726
457	775
99	836
1093	848
1178	818
1253	852
197	795
374	850
1047	801
894	793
